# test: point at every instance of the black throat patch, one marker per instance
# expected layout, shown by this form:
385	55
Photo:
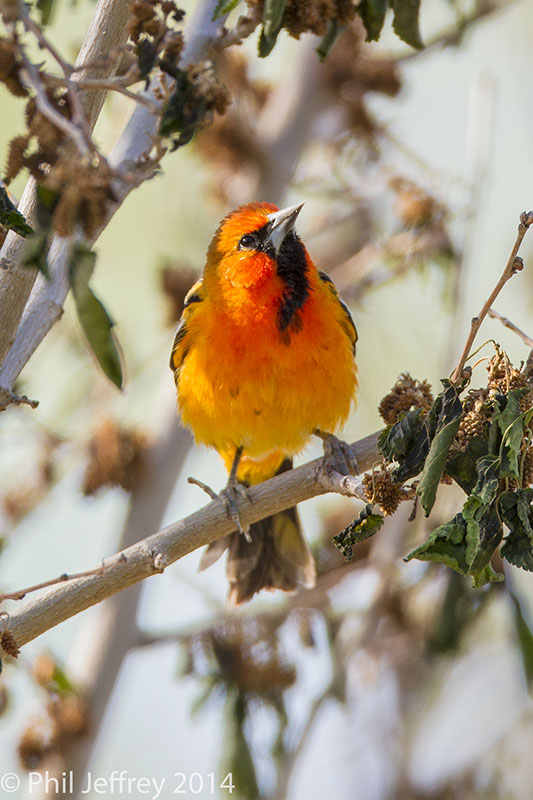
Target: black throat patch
292	269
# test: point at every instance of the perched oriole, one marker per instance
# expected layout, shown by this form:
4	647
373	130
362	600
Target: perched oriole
264	356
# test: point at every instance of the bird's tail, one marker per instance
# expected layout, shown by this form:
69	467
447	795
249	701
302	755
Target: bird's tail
278	557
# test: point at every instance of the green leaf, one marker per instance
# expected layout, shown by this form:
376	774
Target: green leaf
35	254
405	22
483	534
210	685
488	470
396	440
524	497
236	756
435	463
447	543
470	513
272	24
486	575
462	467
10	216
510	421
467	543
94	319
46	7
224	7
363	527
330	37
447	412
372	13
455	614
517	513
524	636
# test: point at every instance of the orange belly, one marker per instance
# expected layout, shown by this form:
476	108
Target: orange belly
242	386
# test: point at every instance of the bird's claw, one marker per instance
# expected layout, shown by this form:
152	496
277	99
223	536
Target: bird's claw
338	455
229	497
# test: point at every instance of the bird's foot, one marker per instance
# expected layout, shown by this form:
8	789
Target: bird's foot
236	490
338	455
229	496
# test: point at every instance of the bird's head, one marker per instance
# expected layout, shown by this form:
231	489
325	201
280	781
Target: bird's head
255	242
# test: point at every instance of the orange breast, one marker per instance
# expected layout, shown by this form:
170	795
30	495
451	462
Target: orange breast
242	384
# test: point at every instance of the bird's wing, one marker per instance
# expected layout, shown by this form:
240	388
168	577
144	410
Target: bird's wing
347	321
181	345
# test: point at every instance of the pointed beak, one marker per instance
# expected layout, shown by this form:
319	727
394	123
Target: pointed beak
281	223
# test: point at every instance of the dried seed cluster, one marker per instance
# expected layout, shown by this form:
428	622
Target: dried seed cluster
40	147
479	405
10	66
475	419
314	15
152	29
230	143
380	488
84	190
175	283
242	656
414	206
503	377
24	496
407	393
351	71
116	457
64	716
8	644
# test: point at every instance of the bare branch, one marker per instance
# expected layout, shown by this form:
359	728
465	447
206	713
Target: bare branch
20	594
108	30
118	85
10	399
46	302
244	27
514	264
508	324
79	119
151	555
44	105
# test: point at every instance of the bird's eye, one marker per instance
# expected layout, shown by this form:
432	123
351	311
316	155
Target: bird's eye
247	242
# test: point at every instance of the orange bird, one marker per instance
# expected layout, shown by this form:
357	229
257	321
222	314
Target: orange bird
263	358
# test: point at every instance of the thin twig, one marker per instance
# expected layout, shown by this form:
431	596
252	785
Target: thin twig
47	110
508	324
19	594
244	27
453	36
118	85
514	264
9	399
79	118
207	489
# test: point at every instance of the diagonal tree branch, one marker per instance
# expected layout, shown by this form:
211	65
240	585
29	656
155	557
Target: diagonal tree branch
154	553
45	305
108	30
